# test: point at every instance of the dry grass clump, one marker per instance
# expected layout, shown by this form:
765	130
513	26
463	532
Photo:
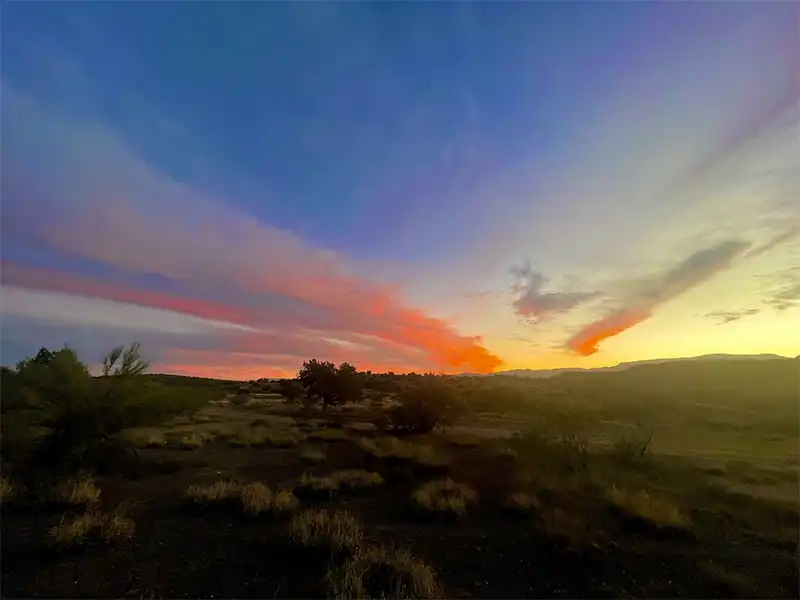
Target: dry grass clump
253	498
194	440
284	502
357	479
337	533
77	492
91	526
258	436
328	435
397	449
521	505
222	491
312	486
377	572
641	506
313	455
9	491
444	498
146	438
256	498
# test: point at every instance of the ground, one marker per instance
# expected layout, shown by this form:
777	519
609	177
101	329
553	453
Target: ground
692	518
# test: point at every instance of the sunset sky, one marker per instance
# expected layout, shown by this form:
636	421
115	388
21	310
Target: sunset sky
445	186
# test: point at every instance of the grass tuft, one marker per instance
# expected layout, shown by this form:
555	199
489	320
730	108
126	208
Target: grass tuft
357	480
521	505
397	449
218	492
258	436
641	506
256	499
377	572
337	533
194	440
91	526
444	498
313	455
312	486
79	492
9	491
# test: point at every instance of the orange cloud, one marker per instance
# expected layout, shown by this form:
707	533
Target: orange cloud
284	324
586	341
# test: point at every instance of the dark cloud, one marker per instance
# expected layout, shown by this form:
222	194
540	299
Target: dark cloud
533	302
729	316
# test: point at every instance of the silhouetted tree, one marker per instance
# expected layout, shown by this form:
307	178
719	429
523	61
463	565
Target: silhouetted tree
326	383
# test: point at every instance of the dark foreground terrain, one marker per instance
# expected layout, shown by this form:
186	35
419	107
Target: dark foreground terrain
522	515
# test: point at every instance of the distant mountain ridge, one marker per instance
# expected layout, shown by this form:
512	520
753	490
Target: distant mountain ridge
542	373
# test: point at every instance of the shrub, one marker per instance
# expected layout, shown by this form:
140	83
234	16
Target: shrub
445	498
356	479
312	486
337	533
91	526
521	505
424	405
222	491
78	492
642	507
377	572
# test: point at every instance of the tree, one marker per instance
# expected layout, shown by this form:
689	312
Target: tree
425	404
291	389
324	382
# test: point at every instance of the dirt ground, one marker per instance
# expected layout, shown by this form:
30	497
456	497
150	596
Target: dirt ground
574	548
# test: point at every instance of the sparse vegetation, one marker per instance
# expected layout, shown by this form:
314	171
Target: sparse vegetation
574	456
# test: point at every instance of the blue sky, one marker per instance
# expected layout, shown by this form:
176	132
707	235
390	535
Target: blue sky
505	182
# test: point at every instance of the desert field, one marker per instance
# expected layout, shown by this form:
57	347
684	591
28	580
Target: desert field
679	481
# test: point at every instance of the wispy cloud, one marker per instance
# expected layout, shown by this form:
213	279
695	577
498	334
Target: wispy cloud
90	196
723	317
535	303
647	294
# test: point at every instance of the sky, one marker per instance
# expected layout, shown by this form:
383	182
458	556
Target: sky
421	186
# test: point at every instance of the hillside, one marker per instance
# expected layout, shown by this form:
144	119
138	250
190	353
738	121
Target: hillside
541	373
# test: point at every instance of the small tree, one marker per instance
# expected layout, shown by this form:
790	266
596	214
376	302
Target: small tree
324	382
426	403
82	416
